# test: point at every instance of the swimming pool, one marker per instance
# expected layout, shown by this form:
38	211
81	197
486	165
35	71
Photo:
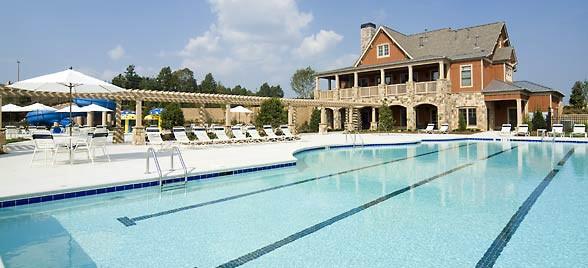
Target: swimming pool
426	205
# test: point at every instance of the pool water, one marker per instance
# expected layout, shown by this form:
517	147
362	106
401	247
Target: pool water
448	204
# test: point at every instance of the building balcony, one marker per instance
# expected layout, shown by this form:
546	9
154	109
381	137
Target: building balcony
383	91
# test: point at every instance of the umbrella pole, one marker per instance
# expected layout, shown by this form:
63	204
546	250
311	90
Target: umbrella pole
70	123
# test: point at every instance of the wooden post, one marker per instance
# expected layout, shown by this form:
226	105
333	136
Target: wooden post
119	136
138	129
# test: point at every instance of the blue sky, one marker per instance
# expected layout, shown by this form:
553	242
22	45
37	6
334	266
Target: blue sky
250	42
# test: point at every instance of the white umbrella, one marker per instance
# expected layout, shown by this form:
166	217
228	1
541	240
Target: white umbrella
37	107
94	108
11	108
74	109
240	109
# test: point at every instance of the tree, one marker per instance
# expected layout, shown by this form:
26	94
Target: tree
265	90
271	112
165	79
184	80
303	82
149	83
385	121
208	85
119	81
315	120
462	122
538	120
578	96
133	80
171	116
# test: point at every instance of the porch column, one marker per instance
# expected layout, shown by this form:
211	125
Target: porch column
337	85
323	124
109	119
526	108
104	115
410	118
336	118
329	84
90	119
373	123
291	125
382	76
119	136
519	112
410	73
317	88
355	79
138	129
491	115
227	116
441	70
2	133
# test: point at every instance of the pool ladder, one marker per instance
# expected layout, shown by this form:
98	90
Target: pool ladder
175	151
354	138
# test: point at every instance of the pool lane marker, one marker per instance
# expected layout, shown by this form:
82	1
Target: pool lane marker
312	229
126	221
494	251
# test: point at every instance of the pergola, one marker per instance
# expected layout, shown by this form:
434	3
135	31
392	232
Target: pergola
139	96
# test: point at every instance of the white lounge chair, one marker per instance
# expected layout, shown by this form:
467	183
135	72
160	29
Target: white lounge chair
522	130
181	137
154	138
45	143
287	133
505	130
96	141
579	130
239	135
202	135
221	135
269	132
444	129
430	128
557	130
255	134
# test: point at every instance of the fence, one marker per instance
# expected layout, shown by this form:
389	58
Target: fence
568	120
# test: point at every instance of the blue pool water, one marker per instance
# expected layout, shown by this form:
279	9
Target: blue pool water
450	204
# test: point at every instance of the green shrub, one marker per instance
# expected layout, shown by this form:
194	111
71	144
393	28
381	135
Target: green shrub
315	120
271	112
528	121
538	121
171	116
462	123
386	120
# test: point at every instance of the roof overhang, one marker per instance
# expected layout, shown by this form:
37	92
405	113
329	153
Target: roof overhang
380	29
374	67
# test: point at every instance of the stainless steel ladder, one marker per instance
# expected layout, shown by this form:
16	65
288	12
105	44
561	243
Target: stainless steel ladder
175	151
353	137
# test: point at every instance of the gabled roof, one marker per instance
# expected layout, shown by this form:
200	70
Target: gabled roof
497	86
470	42
380	30
503	54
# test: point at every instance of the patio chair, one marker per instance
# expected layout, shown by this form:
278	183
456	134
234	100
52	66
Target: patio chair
239	136
579	130
201	135
444	129
154	138
522	130
557	130
506	130
181	137
430	128
269	132
221	135
44	142
288	134
255	134
96	140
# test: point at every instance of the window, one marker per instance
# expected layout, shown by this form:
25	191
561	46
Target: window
383	50
508	73
363	82
466	76
470	116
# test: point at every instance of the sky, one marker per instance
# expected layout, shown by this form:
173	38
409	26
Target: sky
248	42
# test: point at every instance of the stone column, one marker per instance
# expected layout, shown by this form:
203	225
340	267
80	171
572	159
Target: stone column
104	115
323	124
337	85
78	120
350	118
382	77
317	88
336	118
441	70
355	79
138	129
410	118
291	125
119	136
373	123
90	119
227	116
109	119
519	112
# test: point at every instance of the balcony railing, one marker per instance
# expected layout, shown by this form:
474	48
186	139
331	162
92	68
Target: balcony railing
425	87
346	93
366	92
396	89
327	95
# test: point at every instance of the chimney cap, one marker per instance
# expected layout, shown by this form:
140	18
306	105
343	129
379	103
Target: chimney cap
368	25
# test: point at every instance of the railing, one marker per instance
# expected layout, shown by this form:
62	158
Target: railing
346	93
396	89
366	92
175	150
327	95
354	138
425	87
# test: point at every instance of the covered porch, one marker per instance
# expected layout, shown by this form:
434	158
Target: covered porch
506	109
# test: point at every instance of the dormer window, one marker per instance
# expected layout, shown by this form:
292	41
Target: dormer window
383	50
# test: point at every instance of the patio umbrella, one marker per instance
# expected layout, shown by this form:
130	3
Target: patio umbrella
73	108
37	107
94	108
11	108
240	110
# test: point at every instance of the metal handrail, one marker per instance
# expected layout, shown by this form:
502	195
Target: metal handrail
353	137
175	150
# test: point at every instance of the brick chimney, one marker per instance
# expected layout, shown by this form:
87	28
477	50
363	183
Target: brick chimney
368	30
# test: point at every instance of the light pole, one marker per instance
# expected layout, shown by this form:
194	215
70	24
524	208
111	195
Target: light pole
17	70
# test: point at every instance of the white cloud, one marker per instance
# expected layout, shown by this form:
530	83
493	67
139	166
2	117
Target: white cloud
207	42
116	53
108	74
318	43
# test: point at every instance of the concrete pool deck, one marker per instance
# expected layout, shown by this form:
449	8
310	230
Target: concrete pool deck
18	179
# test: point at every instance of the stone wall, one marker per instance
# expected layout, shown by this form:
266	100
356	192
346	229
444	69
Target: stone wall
217	115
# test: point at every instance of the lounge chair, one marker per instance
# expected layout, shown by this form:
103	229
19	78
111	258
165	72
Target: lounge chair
45	143
430	128
221	135
255	134
522	130
202	135
444	129
557	130
269	132
96	140
181	137
154	138
579	130
287	133
506	130
239	136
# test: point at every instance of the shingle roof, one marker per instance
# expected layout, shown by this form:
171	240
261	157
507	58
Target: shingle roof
470	42
497	86
502	54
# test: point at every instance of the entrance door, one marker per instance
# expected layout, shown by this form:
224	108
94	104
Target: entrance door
512	117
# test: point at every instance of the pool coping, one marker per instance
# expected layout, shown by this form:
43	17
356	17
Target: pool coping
29	199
